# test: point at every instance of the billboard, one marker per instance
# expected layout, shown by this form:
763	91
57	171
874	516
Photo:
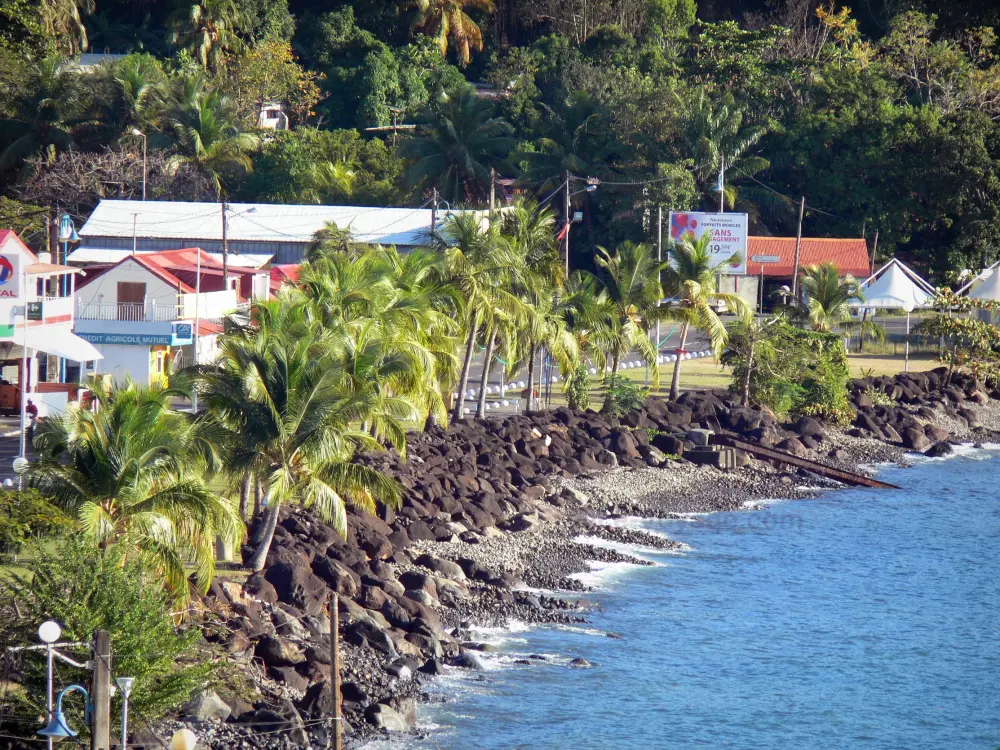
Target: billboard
10	276
728	231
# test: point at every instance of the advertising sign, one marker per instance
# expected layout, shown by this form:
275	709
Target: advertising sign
183	334
10	276
728	232
35	311
127	339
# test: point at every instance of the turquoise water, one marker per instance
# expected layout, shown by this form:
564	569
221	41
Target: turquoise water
861	619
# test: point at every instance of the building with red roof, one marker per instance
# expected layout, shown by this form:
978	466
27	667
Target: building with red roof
771	264
145	312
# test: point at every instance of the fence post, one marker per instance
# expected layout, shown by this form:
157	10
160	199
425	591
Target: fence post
335	670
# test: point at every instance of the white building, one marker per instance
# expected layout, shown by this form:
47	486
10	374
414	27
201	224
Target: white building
140	313
272	117
36	315
256	232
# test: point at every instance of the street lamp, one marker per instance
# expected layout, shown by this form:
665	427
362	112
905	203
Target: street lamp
140	134
125	686
592	183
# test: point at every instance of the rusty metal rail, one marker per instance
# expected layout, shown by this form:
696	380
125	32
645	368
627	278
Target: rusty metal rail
773	454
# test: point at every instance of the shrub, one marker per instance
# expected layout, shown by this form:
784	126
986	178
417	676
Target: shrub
790	370
879	398
28	515
85	589
578	388
624	395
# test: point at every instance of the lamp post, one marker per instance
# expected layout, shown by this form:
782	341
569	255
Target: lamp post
592	184
125	686
145	168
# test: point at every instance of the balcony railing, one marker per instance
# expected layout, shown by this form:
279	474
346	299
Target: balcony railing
132	312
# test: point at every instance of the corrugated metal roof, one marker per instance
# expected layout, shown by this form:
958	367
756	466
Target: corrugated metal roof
107	256
849	255
256	222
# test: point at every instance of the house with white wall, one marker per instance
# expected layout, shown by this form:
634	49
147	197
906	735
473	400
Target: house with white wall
146	312
38	350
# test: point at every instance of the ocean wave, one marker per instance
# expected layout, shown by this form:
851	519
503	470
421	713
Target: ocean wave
966	450
635	550
602	573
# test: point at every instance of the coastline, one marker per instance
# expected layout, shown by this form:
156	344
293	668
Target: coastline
530	572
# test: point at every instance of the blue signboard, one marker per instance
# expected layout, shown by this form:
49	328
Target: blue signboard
127	339
183	334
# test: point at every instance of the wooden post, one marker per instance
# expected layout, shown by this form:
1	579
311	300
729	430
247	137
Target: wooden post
100	692
335	671
493	192
225	250
566	210
798	249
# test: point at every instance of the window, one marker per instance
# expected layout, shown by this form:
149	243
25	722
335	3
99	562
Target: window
131	300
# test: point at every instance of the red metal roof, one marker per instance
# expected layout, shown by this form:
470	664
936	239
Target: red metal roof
849	255
285	273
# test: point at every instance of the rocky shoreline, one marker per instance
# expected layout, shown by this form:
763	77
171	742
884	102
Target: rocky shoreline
498	518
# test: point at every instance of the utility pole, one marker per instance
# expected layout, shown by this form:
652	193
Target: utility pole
871	266
134	236
798	250
225	248
493	192
659	259
100	692
197	326
337	734
566	208
722	184
434	210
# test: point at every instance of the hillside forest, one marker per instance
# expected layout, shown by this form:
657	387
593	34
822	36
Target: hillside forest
883	114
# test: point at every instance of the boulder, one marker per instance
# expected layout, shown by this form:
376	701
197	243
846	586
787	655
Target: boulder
467	660
698	437
278	652
794	446
446	568
337	576
299	586
207	706
939	449
318	701
914	439
386	717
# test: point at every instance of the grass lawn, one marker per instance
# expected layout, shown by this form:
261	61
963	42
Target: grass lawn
706	373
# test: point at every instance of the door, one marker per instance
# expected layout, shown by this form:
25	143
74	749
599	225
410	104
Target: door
131	300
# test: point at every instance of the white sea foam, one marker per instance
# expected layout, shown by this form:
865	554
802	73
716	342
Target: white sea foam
601	574
629	522
967	450
635	550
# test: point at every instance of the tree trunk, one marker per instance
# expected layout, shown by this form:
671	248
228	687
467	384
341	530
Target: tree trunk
608	398
257	497
531	375
485	379
745	401
245	496
463	382
675	384
269	523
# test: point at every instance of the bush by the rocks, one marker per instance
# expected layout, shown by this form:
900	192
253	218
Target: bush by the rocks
86	589
578	388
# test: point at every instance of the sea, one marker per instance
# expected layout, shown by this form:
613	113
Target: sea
861	619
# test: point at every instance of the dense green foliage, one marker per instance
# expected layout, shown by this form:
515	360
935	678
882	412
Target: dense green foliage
885	120
788	369
85	589
28	515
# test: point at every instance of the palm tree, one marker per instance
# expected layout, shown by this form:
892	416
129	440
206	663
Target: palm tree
278	391
631	281
62	23
208	27
578	137
457	143
828	300
330	181
716	139
692	281
207	137
131	473
47	117
481	266
530	228
442	20
139	81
